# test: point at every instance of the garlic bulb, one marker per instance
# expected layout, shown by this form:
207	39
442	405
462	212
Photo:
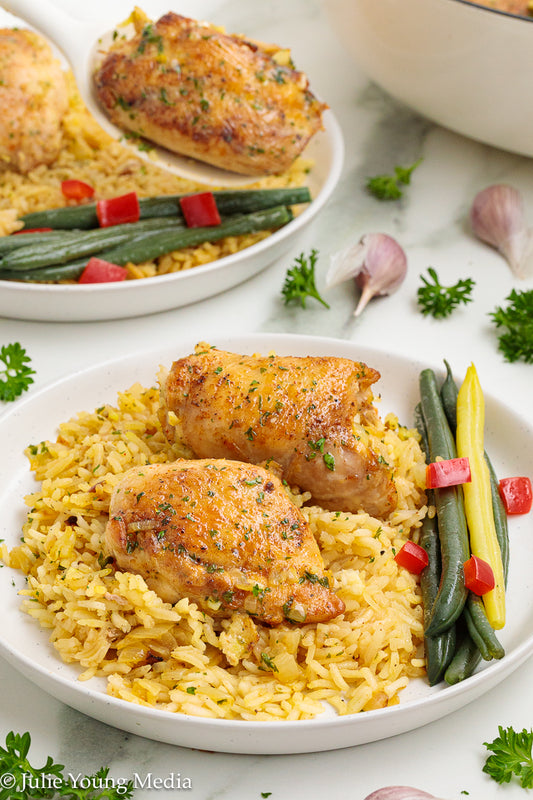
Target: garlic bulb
400	793
497	217
377	263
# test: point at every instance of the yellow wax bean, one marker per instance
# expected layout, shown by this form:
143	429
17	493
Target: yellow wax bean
477	494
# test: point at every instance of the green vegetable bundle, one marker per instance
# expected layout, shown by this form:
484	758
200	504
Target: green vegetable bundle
62	253
457	632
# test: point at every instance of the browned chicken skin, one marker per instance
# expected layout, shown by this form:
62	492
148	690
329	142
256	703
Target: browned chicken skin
310	415
224	534
33	101
218	98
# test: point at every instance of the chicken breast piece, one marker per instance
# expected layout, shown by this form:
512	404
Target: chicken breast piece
33	99
313	416
224	534
221	99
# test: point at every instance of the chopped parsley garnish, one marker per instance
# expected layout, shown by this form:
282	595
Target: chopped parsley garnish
259	591
300	281
318	447
511	756
15	377
388	187
254	482
313	578
210	568
148	36
163	96
515	324
439	301
329	461
266	659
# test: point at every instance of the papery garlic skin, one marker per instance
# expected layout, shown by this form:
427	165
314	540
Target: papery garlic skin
498	218
377	263
400	793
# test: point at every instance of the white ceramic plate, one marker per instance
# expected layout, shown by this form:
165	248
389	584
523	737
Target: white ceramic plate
90	302
26	646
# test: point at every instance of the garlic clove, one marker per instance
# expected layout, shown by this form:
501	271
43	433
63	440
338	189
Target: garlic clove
345	264
498	218
400	793
377	263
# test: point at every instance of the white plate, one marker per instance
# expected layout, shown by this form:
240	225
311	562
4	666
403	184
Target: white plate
509	442
90	302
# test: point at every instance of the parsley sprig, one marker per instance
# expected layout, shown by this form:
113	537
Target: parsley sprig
15	377
300	281
515	322
27	782
439	301
389	187
511	756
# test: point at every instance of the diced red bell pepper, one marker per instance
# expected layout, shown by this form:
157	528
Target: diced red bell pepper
100	271
479	577
118	210
516	494
412	557
77	190
33	230
200	210
449	472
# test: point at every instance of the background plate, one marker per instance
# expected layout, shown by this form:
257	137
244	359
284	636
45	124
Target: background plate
90	302
509	441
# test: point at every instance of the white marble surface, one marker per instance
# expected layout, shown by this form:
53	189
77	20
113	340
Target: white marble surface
444	757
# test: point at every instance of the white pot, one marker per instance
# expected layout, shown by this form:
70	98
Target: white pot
464	66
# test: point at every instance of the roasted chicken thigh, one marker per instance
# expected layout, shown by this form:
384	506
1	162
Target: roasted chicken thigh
221	99
224	534
313	416
33	99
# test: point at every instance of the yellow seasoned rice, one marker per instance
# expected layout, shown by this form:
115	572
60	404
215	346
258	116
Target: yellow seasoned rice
179	658
89	154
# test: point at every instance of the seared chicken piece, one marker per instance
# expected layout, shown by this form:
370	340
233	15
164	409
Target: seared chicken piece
33	99
310	415
218	98
224	534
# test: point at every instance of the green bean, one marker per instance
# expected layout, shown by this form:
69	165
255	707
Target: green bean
59	272
150	245
16	241
448	396
500	518
157	244
239	201
84	243
453	532
465	660
439	649
231	201
481	630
